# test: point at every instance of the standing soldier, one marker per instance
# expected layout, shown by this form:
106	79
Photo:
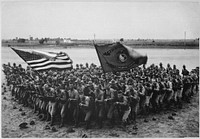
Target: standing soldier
162	93
169	92
124	105
64	102
111	98
99	102
179	91
185	72
53	105
73	103
161	68
79	85
87	104
175	88
141	92
134	104
186	88
195	77
175	70
155	96
193	82
148	95
168	69
158	90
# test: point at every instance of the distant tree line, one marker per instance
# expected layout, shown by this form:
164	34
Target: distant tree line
45	40
21	40
41	41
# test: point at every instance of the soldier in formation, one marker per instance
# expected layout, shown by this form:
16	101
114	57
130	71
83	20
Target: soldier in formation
86	94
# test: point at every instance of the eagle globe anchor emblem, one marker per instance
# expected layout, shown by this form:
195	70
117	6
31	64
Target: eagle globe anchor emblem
122	57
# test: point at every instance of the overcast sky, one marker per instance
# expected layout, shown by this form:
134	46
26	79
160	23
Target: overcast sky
108	20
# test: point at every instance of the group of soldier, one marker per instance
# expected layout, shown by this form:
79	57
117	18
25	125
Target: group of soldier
87	94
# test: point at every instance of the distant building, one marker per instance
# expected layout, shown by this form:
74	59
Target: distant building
31	38
51	41
67	41
21	40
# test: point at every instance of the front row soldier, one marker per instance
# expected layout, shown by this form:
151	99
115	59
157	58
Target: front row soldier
87	104
169	92
124	106
134	103
110	99
100	107
64	105
73	103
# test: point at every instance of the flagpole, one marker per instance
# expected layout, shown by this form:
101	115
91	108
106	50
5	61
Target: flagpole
98	56
100	63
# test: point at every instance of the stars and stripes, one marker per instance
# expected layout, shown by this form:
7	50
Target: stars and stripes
39	60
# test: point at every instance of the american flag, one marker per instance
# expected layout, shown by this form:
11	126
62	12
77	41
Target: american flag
39	60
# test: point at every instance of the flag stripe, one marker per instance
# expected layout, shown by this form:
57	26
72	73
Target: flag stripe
50	63
37	61
63	57
54	66
46	61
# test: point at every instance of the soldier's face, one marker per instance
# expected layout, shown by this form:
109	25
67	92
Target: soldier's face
120	95
90	85
70	86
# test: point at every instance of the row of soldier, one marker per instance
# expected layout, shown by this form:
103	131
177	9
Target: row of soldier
86	94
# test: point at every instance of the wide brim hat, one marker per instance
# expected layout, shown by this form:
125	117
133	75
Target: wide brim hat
90	83
126	93
78	80
70	76
112	81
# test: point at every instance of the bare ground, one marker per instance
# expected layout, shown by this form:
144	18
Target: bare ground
185	124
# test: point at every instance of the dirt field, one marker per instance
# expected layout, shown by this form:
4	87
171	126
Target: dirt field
185	124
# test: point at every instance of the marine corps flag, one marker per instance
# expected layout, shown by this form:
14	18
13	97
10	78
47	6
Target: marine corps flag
118	57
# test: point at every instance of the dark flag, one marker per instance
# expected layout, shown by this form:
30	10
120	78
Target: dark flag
118	57
39	60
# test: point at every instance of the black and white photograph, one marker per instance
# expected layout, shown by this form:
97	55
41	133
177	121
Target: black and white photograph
100	68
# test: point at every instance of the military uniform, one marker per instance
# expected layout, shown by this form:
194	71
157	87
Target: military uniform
86	106
100	106
87	103
73	104
134	103
123	103
111	98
